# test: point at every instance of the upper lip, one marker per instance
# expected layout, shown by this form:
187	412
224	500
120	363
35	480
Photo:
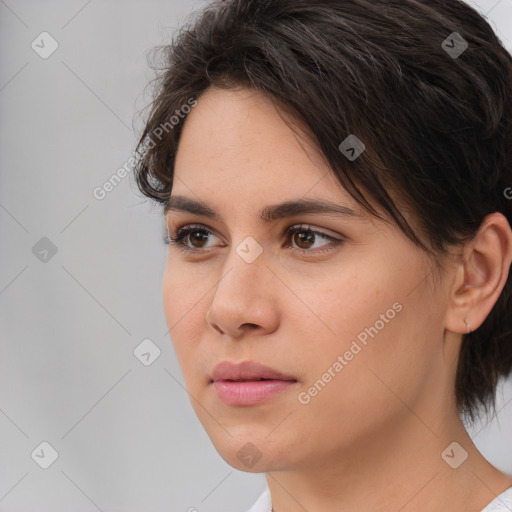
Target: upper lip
247	370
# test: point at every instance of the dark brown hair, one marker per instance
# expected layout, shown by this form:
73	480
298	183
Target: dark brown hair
436	123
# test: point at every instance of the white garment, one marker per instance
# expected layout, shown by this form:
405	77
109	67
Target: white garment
264	504
502	502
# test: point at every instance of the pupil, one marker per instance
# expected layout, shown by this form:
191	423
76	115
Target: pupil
196	236
305	237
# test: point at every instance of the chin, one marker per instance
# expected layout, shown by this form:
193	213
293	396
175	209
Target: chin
253	454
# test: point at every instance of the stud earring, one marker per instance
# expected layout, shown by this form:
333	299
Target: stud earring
467	325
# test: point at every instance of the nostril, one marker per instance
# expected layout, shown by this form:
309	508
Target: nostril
220	331
251	325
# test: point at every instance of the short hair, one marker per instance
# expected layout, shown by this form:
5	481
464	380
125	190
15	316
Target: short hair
425	85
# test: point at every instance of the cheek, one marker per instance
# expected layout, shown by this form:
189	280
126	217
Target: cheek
368	318
172	289
183	292
340	306
185	309
348	381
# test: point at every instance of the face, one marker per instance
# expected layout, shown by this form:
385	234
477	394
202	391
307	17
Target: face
336	305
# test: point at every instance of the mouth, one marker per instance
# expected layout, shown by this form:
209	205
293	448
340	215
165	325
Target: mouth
248	383
247	371
244	380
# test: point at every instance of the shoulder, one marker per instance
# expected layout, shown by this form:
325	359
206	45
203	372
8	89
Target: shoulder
502	502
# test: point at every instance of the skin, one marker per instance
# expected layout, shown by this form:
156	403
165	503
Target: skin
372	439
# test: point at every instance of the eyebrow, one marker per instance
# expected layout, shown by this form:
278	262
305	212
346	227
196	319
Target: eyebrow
269	213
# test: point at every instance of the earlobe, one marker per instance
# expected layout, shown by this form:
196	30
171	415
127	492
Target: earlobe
481	275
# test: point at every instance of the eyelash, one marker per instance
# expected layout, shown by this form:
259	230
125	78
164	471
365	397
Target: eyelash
180	239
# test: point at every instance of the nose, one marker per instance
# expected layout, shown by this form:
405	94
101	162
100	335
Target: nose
245	299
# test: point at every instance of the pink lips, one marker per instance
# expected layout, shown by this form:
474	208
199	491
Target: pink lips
248	383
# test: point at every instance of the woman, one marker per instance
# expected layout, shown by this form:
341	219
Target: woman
335	177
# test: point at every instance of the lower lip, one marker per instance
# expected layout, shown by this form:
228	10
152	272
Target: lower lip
249	392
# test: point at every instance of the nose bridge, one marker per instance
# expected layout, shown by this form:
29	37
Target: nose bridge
240	294
244	266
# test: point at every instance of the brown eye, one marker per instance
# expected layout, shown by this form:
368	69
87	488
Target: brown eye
197	238
195	235
304	239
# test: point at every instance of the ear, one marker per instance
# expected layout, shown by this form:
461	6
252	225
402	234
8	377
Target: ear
480	275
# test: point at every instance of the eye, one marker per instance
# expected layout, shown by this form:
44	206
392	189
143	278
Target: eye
184	234
305	238
302	235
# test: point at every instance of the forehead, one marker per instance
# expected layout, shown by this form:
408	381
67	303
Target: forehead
237	142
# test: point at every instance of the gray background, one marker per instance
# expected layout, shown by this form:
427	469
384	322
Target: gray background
126	436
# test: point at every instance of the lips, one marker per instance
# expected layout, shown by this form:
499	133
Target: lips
248	383
247	371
